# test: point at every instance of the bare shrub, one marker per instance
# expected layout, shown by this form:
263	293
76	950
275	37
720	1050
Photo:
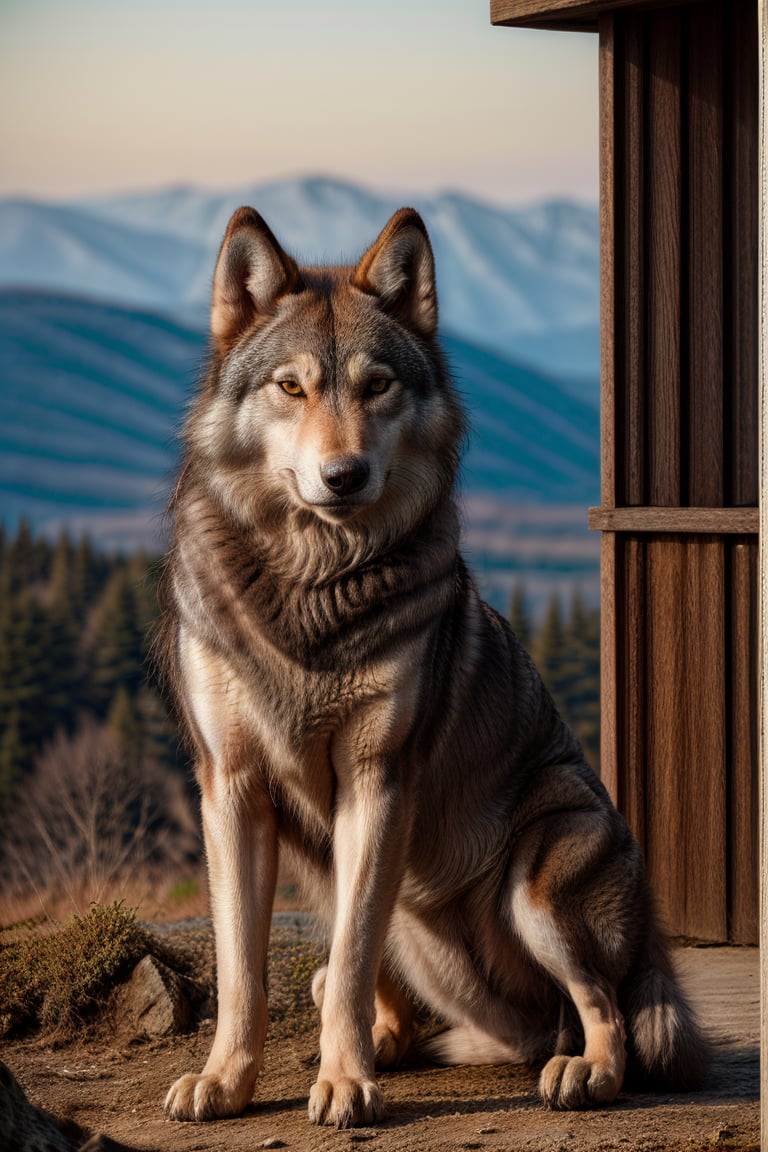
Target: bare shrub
89	821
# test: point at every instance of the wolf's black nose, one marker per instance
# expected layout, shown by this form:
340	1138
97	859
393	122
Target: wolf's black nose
345	474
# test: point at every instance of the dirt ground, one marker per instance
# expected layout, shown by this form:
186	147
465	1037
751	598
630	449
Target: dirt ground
117	1089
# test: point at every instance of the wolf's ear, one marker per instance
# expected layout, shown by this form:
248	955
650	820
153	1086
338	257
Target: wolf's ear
399	268
252	271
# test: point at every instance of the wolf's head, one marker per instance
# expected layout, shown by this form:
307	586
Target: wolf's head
328	397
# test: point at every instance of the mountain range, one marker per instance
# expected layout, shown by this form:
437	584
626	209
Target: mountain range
521	282
102	335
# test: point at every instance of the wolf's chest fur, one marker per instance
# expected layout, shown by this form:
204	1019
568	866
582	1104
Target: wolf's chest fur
276	671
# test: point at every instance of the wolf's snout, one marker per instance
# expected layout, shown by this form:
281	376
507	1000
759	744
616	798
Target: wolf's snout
345	474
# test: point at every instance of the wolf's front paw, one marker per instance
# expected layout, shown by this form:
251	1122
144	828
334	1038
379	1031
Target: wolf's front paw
345	1102
206	1098
573	1082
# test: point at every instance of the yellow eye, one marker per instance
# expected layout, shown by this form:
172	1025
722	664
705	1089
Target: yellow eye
379	384
292	387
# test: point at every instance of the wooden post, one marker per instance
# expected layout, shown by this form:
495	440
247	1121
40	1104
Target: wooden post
763	646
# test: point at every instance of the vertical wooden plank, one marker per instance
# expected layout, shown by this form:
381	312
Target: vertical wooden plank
610	659
742	247
665	848
686	824
608	135
704	421
664	192
632	677
633	318
763	559
743	732
704	723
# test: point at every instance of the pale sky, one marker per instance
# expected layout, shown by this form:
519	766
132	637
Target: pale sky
112	95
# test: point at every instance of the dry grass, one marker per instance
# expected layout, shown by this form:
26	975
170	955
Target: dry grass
157	899
54	981
57	980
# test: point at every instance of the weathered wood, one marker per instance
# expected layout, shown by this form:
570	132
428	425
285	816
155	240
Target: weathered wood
763	563
632	672
634	305
742	739
685	693
664	784
562	15
608	142
609	658
742	178
730	521
679	338
704	377
663	222
703	856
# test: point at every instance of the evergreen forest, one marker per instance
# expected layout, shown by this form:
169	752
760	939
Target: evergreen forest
92	781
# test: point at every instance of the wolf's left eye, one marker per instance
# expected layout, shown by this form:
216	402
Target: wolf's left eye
379	384
292	387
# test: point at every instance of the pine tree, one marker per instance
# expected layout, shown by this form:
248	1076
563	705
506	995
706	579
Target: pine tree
118	645
124	727
26	681
21	560
60	580
519	616
14	759
63	637
88	573
551	654
583	703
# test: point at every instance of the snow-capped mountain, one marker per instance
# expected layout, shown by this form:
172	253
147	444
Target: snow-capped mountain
520	282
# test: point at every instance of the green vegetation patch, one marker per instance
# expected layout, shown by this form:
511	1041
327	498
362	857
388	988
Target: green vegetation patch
57	982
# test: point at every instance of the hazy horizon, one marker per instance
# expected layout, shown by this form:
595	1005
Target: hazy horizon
103	99
484	196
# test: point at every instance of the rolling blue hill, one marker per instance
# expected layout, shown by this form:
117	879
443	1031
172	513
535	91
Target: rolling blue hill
92	396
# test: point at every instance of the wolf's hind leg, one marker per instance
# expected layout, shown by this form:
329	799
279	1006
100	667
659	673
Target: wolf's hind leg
393	1027
570	888
569	1081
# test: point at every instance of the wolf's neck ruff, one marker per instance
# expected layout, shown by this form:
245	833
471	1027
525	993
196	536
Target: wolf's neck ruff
351	604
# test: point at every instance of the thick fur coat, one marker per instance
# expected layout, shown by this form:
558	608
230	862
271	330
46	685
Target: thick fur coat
351	700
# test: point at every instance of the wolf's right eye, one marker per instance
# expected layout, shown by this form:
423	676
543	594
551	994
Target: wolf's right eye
292	387
379	384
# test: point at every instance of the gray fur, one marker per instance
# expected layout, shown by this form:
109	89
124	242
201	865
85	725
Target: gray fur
348	694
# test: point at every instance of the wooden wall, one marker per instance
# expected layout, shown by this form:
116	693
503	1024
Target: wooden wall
679	136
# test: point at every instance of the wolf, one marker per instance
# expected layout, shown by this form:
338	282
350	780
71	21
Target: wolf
351	701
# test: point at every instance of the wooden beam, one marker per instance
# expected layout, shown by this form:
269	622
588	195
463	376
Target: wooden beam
563	15
730	521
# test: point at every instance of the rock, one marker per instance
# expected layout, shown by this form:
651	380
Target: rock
23	1127
153	1000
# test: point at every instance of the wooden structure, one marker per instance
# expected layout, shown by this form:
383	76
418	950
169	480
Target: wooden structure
680	203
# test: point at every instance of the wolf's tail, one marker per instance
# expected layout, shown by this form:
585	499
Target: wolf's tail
666	1047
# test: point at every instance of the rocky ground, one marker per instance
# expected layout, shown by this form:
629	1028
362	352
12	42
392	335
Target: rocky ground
112	1083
